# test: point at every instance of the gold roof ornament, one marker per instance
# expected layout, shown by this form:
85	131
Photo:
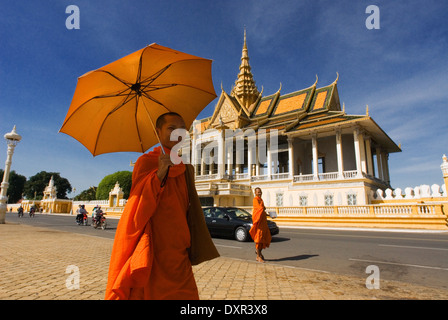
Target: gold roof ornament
245	90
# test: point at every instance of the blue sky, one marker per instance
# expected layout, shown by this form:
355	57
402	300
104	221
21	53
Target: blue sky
399	70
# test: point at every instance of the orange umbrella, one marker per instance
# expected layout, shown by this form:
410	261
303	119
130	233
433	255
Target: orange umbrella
113	107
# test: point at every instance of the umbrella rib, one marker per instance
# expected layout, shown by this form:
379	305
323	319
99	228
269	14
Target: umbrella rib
110	113
161	71
139	72
136	123
159	87
97	97
165	86
115	77
154	76
155	100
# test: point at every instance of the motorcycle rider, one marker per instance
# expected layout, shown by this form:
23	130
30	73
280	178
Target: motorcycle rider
20	211
98	215
32	211
81	212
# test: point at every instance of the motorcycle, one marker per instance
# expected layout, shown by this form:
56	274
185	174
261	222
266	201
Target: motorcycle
99	222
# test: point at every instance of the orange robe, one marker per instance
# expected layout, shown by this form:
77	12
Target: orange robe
150	256
260	231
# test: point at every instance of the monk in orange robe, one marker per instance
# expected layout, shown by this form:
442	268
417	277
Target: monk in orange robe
162	230
260	232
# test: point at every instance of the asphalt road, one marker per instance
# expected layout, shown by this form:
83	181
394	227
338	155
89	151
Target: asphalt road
413	257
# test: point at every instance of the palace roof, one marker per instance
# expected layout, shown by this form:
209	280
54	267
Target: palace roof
298	114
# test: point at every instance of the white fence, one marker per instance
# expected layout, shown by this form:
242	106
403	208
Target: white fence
423	191
377	210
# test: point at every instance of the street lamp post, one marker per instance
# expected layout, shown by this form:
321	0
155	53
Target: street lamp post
12	139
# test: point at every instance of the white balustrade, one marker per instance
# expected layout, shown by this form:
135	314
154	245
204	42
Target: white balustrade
423	191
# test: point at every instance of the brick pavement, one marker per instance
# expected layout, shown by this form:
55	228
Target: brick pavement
34	261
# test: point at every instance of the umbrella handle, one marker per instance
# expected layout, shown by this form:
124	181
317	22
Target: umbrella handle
164	179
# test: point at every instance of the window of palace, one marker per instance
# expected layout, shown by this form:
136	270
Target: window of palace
279	199
351	199
329	200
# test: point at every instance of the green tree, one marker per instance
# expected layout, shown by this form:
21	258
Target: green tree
16	186
87	195
36	184
124	178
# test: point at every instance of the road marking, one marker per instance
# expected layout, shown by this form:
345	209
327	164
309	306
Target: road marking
411	247
277	265
365	229
399	264
364	236
221	245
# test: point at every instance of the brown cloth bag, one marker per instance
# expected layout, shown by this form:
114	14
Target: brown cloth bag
202	247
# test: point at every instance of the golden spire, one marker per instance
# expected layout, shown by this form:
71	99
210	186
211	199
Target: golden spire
245	89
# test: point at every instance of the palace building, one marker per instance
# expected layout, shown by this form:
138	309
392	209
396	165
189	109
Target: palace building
323	156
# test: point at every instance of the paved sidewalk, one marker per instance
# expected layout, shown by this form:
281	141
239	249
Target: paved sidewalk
40	263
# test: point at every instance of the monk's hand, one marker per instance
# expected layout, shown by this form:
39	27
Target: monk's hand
164	164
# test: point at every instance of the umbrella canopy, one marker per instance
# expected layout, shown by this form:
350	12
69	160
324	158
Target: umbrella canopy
114	108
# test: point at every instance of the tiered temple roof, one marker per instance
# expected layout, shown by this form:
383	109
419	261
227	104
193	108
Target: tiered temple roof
301	112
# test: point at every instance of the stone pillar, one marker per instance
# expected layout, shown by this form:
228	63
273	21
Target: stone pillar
249	158
257	162
290	157
202	166
221	154
194	156
369	157
269	159
379	163
359	152
386	168
339	154
315	157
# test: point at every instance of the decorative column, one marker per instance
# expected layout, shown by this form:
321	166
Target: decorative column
359	152
249	158
221	154
290	157
379	165
339	154
386	167
12	139
201	158
369	156
268	147
193	151
315	157
257	162
229	156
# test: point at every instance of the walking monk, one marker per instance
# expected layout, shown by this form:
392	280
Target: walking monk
260	232
162	230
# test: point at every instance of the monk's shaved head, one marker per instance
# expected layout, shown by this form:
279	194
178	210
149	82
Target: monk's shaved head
162	119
